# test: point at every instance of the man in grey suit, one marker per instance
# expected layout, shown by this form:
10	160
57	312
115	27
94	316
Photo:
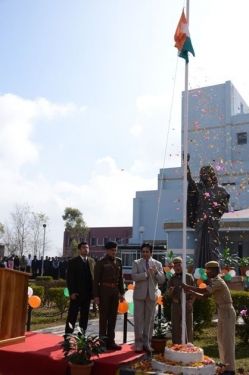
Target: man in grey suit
147	273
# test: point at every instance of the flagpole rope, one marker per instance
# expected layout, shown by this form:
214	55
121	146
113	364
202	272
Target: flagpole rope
165	153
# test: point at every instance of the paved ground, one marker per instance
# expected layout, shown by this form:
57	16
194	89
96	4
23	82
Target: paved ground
93	327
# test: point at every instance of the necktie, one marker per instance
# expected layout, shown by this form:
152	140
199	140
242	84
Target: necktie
147	264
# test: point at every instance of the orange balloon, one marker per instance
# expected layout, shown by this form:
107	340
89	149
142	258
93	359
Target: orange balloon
199	281
123	307
159	300
166	269
130	287
34	302
202	285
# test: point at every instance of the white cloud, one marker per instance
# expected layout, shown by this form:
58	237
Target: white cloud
136	130
17	121
149	103
105	198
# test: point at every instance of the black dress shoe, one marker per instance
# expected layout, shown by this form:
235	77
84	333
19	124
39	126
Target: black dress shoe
113	346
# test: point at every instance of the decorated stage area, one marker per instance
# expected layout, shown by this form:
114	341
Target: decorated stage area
41	354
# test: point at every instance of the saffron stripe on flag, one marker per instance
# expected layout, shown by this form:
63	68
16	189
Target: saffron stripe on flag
182	38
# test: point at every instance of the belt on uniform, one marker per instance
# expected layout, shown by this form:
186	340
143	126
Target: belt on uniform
110	285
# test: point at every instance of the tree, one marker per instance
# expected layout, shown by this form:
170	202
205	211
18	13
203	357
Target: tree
1	229
21	227
76	226
24	233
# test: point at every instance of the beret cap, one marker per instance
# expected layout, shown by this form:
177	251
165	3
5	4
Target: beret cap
212	264
177	260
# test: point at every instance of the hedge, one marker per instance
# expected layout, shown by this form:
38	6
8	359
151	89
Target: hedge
203	311
57	296
38	290
240	300
47	282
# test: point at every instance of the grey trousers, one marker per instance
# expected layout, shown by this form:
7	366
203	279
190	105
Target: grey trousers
144	312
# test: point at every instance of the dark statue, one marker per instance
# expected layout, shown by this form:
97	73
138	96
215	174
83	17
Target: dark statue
207	202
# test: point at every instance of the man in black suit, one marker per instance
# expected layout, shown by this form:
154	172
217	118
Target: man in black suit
80	275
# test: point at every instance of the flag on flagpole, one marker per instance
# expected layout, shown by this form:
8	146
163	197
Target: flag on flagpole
182	38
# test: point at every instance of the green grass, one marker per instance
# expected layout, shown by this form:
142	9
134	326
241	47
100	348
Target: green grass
208	341
46	317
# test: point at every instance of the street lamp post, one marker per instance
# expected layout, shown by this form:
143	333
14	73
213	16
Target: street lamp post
43	247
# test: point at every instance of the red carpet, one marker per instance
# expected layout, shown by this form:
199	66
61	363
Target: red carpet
41	354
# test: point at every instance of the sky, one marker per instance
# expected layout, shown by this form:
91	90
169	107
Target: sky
90	96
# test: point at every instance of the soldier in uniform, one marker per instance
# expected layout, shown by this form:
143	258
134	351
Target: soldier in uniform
108	290
174	290
226	314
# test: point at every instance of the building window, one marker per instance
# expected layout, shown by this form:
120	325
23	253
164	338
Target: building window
93	241
127	258
242	138
106	239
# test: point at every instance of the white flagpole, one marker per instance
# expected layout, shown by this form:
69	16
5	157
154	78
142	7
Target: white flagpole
185	156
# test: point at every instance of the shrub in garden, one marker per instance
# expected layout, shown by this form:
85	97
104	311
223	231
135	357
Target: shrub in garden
203	311
241	305
38	290
240	300
43	278
57	296
48	282
243	329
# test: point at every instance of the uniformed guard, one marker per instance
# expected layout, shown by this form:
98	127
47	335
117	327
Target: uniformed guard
108	290
174	290
226	314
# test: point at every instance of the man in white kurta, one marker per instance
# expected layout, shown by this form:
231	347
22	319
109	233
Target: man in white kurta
147	273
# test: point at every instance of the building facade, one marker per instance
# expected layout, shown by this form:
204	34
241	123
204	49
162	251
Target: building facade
97	238
218	134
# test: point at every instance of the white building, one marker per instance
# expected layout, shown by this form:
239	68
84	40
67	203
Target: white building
219	135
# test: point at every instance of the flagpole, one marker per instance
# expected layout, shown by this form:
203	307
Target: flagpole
185	160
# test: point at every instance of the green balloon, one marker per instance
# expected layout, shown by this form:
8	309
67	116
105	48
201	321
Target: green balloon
169	275
228	277
66	292
131	308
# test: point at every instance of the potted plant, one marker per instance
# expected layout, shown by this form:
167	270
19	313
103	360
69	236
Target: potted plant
159	338
243	265
190	263
169	258
228	260
78	350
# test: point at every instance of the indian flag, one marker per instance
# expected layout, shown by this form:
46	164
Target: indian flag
182	38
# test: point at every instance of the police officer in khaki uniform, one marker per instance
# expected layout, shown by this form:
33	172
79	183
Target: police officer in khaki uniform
108	290
226	314
174	290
